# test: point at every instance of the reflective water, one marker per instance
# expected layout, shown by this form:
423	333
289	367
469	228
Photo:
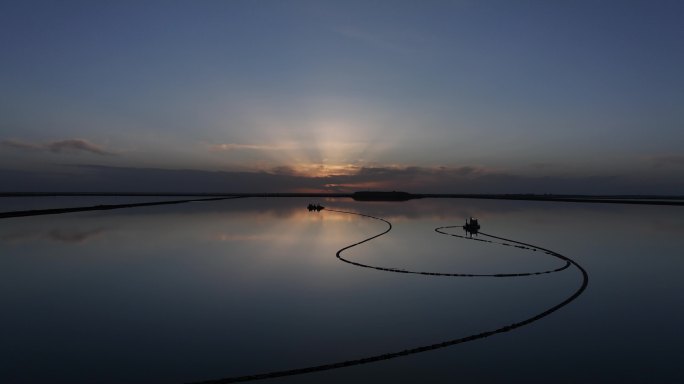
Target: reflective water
200	291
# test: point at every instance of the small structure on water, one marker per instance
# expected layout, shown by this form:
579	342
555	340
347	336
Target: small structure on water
472	226
315	207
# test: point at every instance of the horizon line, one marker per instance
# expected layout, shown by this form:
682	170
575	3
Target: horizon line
396	196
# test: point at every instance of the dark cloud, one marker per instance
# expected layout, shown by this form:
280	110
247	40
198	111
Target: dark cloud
18	144
58	146
284	170
76	145
473	179
418	179
468	179
152	180
667	160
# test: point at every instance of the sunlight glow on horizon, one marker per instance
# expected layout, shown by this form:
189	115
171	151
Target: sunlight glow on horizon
326	147
237	96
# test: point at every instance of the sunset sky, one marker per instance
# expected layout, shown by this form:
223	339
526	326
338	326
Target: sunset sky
270	96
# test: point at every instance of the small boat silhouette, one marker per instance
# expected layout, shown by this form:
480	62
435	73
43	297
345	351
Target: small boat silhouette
472	226
315	207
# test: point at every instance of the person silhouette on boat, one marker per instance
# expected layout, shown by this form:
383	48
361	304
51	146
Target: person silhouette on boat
471	226
315	207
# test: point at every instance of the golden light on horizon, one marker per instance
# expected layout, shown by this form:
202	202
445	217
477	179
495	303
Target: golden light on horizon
329	148
319	147
323	170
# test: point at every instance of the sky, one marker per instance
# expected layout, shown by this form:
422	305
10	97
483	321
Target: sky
335	96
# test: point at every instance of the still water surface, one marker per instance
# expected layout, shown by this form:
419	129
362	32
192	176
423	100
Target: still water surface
207	290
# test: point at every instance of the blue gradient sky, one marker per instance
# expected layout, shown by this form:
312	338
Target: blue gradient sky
472	96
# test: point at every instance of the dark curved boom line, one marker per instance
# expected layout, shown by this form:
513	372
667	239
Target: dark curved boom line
397	270
430	347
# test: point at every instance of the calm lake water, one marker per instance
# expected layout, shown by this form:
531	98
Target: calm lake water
208	290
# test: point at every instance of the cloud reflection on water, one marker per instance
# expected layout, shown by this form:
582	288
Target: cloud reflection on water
61	235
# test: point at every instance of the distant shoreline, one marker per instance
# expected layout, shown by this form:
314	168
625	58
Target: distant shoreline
357	196
385	196
608	199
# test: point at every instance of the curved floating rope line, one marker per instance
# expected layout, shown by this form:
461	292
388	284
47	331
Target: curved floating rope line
430	347
397	270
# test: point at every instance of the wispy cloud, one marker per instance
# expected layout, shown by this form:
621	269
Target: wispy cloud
77	145
249	147
18	144
58	146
